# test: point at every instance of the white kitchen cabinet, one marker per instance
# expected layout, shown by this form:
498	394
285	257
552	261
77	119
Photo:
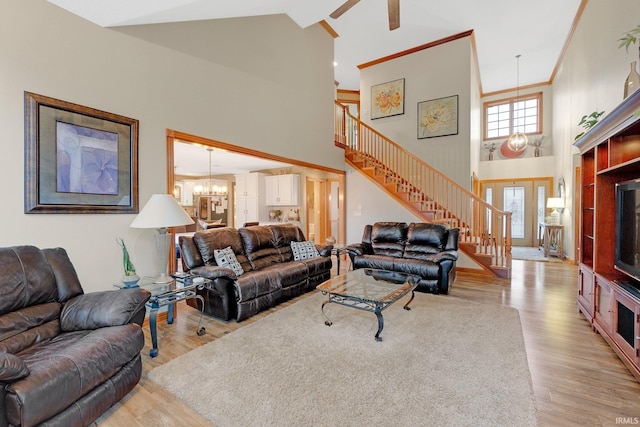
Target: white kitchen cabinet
250	199
247	210
282	190
249	184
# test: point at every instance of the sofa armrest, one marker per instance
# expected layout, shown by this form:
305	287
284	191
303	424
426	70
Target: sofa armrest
450	255
359	249
12	367
99	309
214	272
324	250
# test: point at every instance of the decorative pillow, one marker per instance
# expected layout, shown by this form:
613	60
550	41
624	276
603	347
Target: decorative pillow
226	258
304	250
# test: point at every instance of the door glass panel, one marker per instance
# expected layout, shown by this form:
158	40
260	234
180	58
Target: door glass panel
488	197
513	201
542	197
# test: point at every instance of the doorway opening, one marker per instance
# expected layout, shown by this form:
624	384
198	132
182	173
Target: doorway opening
320	176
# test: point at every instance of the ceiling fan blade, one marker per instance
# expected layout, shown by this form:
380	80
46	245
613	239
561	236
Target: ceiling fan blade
342	9
394	14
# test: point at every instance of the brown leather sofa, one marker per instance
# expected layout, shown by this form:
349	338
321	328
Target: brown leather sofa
427	250
65	356
269	272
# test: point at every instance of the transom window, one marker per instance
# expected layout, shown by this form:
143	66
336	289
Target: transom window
506	116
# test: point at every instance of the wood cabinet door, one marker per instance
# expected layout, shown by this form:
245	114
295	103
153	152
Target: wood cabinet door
626	329
585	291
604	305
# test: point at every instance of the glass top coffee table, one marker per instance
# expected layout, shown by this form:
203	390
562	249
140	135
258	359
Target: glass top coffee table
370	290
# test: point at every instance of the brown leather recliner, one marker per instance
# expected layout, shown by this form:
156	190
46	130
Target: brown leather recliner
65	356
270	273
427	250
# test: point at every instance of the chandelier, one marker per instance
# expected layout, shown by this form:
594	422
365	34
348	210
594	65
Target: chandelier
518	141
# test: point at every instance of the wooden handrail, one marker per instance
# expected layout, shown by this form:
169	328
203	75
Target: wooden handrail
480	223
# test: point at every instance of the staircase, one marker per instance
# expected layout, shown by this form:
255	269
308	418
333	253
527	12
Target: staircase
485	232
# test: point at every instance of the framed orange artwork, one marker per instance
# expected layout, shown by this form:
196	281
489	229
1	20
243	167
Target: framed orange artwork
387	99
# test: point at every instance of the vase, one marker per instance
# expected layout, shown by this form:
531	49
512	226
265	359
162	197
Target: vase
632	82
536	152
130	281
490	155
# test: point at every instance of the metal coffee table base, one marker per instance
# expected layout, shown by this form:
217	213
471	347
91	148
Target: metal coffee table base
374	307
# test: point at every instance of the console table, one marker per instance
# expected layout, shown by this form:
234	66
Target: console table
551	238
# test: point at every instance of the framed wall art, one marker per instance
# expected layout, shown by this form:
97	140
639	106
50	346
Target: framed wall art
78	159
387	99
438	117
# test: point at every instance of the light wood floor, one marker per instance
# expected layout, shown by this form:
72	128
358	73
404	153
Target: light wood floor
577	378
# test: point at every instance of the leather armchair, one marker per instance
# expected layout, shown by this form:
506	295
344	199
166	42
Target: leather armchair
65	356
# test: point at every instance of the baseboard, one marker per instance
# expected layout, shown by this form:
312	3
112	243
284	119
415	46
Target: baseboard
478	271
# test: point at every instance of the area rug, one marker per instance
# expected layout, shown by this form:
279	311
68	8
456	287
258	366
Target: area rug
527	253
446	362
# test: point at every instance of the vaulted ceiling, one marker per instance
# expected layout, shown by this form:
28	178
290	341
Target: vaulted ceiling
537	30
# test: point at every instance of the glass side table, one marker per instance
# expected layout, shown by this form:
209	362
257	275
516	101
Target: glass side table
338	250
167	294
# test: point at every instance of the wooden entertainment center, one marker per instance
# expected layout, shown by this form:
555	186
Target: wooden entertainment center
607	297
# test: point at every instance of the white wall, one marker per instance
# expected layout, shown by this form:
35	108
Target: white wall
475	118
528	167
591	77
245	90
437	72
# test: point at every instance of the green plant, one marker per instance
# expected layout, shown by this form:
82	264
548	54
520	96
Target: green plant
630	37
587	122
129	269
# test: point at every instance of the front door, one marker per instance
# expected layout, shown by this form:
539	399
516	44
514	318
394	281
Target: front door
525	199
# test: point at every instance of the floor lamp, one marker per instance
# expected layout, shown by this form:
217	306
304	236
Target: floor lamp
161	212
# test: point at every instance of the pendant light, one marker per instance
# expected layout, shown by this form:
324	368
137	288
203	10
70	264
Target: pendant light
518	141
209	184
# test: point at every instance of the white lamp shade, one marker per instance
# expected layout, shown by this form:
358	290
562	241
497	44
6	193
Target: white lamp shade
555	202
161	211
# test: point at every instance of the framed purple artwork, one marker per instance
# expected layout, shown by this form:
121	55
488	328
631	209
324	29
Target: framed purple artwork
78	159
